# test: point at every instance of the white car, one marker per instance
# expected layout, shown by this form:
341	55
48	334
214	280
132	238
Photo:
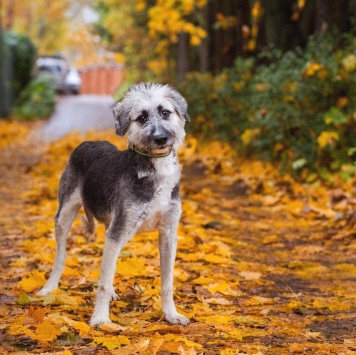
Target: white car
55	67
73	81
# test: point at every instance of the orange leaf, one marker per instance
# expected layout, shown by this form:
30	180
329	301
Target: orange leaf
37	314
47	331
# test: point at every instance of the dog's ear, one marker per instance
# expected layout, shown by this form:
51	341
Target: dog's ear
180	104
122	118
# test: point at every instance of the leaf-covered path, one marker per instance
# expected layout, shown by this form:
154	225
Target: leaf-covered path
264	265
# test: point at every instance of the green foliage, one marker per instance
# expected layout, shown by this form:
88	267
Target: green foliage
297	108
23	57
18	56
37	100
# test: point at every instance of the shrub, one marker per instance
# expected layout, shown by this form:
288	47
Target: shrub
18	56
22	55
37	100
297	108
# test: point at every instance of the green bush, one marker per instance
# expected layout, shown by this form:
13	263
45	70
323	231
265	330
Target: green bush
37	100
298	108
17	60
22	57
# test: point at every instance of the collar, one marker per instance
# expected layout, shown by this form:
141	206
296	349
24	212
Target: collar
149	154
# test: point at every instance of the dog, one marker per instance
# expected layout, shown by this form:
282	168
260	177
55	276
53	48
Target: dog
129	191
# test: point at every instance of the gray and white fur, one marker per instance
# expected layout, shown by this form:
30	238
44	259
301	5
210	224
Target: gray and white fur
129	191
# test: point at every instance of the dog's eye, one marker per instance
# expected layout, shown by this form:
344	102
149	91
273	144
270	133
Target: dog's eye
166	113
142	119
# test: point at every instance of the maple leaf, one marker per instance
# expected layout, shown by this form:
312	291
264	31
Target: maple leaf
36	314
47	331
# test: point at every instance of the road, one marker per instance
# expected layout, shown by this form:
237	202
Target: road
78	113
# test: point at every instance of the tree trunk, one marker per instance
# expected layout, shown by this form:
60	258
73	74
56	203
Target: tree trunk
278	25
244	17
331	14
204	46
307	21
183	61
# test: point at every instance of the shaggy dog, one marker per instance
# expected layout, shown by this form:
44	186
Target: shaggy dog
129	191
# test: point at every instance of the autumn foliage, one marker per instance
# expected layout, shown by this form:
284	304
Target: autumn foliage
265	265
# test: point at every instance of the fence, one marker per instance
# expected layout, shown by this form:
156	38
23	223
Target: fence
101	79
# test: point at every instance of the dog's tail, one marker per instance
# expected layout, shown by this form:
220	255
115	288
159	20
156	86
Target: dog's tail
89	226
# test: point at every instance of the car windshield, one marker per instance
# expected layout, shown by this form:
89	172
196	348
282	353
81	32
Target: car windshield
50	68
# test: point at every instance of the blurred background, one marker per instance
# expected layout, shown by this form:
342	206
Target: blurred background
275	77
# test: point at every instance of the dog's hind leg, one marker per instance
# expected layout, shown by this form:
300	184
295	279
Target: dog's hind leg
67	211
89	226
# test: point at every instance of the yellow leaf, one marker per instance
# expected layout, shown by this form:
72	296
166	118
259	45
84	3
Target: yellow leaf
32	280
236	334
349	62
130	267
229	351
84	328
218	300
156	345
270	239
346	268
216	259
47	331
216	319
94	275
70	272
222	287
64	298
311	69
250	275
327	138
203	280
114	342
249	135
112	327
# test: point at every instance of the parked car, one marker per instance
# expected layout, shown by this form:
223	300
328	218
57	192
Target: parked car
56	67
73	81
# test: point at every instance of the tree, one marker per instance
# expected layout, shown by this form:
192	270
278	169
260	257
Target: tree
167	38
44	21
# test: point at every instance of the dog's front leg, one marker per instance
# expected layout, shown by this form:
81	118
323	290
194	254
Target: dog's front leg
168	247
105	292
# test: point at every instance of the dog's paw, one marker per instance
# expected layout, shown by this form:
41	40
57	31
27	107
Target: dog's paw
98	319
45	291
176	318
113	295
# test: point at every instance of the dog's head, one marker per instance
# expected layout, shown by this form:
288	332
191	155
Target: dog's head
154	116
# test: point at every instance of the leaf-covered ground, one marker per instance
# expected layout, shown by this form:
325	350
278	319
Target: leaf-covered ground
264	265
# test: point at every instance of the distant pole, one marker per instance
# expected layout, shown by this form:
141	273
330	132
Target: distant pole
2	79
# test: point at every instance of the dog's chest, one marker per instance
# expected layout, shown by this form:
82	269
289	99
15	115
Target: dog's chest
166	179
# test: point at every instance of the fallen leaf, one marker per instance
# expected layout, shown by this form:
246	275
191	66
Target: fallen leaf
32	280
47	331
250	275
111	343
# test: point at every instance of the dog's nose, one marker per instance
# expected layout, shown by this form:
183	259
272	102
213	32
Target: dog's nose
160	140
